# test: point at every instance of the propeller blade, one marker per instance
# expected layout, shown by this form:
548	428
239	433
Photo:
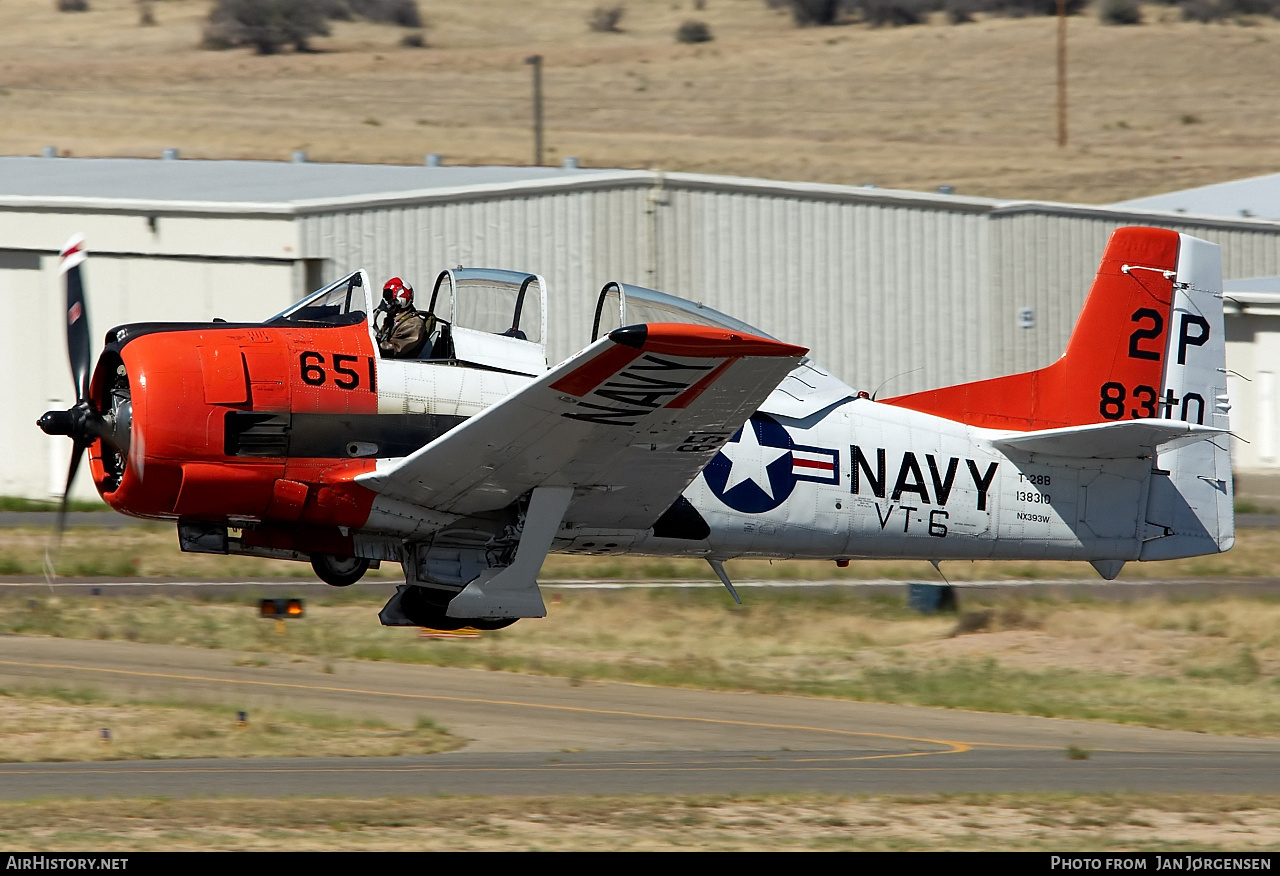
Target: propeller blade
73	256
81	422
51	556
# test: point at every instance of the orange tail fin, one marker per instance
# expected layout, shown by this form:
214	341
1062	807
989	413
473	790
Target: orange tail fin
1114	364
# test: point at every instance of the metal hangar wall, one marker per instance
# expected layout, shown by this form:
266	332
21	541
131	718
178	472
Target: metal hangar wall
905	289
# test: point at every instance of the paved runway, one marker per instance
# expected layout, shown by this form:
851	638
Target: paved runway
531	735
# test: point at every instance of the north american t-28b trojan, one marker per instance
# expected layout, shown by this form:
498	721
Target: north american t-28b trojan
677	431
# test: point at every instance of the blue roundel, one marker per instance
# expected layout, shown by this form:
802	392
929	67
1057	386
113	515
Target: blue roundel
753	472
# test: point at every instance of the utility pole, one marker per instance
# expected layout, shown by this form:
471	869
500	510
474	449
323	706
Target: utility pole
536	62
1062	73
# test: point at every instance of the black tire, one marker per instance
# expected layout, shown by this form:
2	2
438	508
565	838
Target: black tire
491	623
339	571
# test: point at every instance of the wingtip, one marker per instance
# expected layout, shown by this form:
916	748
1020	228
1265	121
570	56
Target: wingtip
687	339
632	336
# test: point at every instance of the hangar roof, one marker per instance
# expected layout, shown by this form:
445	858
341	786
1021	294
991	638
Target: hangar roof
1257	197
288	188
245	181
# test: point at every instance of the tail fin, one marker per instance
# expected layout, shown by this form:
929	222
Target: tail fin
1150	343
1113	363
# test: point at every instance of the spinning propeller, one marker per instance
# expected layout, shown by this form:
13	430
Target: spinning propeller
83	422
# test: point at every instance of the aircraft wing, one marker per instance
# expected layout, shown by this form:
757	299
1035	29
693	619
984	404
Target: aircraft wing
628	423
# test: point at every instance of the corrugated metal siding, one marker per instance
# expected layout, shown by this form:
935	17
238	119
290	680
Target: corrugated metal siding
917	291
1042	262
577	240
877	291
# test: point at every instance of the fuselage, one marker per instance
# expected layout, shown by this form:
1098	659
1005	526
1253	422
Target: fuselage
823	473
262	428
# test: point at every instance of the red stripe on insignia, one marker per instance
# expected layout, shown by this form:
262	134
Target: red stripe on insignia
686	398
812	463
591	374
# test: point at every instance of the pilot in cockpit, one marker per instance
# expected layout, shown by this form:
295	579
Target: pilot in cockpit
404	331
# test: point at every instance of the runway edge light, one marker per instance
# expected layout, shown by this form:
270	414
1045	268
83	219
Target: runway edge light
281	609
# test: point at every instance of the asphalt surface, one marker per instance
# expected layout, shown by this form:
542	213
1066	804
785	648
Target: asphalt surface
531	735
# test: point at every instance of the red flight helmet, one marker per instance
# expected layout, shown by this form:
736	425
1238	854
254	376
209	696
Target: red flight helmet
397	294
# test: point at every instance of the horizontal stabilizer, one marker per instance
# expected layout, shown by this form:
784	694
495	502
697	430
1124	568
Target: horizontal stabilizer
1128	439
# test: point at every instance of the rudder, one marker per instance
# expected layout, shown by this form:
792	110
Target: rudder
1190	504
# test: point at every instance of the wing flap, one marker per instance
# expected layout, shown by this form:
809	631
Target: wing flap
628	423
1128	439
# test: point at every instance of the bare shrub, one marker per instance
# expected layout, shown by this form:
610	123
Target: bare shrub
416	40
693	32
1254	7
267	25
1205	11
73	5
336	10
973	622
1119	12
819	12
605	19
893	13
1022	8
402	12
961	11
1012	616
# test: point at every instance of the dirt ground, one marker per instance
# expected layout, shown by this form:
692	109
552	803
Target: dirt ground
1163	823
1156	107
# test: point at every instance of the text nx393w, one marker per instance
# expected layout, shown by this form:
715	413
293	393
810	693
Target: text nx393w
678	431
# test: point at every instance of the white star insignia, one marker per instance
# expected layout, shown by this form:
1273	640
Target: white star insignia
750	460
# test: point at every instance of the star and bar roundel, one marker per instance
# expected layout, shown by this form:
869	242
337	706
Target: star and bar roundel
757	469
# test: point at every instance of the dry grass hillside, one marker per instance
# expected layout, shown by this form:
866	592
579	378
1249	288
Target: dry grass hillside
1155	107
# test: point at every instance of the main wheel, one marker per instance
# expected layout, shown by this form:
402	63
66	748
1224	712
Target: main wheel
339	571
490	623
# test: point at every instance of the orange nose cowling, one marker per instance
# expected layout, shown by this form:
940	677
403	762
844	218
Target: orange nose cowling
183	385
